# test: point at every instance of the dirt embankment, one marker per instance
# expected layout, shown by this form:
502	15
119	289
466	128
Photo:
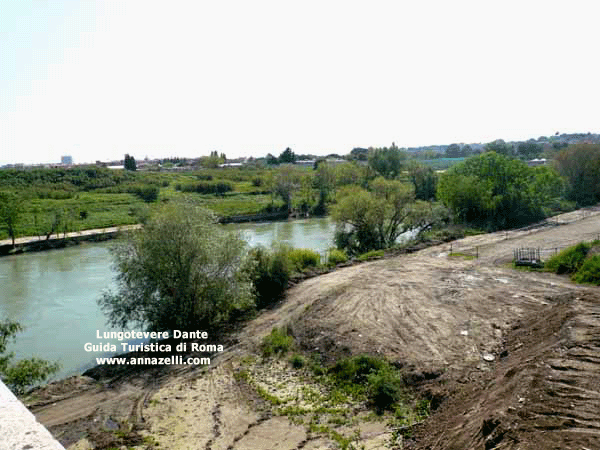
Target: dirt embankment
511	355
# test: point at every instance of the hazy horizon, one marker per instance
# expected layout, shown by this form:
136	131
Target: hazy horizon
98	79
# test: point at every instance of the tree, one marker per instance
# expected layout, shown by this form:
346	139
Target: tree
424	180
287	156
181	271
24	373
324	182
494	191
272	160
453	151
529	150
580	164
371	220
286	182
387	162
129	163
500	147
10	213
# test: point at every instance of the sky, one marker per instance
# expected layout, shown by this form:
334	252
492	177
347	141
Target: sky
98	79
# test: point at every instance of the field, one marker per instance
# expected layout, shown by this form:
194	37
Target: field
505	358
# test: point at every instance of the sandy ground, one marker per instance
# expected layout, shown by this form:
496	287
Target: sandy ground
512	356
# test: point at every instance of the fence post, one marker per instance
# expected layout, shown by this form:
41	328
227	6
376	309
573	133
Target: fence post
477	252
450	247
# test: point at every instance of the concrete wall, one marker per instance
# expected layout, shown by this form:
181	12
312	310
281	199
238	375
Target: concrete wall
19	429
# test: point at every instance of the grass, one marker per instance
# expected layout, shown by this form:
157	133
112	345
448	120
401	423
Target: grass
278	342
368	256
461	255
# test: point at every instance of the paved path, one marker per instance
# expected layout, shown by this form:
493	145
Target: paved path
96	231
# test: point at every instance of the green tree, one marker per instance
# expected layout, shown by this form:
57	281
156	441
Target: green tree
24	373
10	213
453	151
580	164
424	180
387	162
324	182
494	191
129	163
181	271
500	147
287	156
372	220
529	150
287	180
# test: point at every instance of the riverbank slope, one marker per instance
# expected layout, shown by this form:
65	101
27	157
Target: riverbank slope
507	359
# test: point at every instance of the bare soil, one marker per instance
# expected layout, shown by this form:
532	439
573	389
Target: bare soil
510	357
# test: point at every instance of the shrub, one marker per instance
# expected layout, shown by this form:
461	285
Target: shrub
218	188
367	375
302	258
589	272
335	257
384	389
270	274
279	342
569	260
147	192
297	361
26	372
257	182
356	369
373	254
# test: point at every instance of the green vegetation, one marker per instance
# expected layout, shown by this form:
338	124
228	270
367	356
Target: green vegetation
303	258
270	274
495	192
569	260
581	261
367	256
180	272
589	272
580	164
278	342
23	374
335	257
374	219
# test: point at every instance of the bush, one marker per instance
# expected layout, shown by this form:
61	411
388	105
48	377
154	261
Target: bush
26	372
357	369
270	274
384	389
589	272
335	257
217	188
146	192
297	361
371	376
279	342
569	260
373	254
302	258
180	271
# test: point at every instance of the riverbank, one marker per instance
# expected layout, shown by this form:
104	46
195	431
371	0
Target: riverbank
37	243
462	330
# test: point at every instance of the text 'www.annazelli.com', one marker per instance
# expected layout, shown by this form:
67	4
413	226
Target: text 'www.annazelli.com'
145	361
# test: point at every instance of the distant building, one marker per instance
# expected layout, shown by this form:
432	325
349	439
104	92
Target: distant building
537	162
66	160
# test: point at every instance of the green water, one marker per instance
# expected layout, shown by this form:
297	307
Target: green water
53	294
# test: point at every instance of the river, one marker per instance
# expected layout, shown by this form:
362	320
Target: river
53	293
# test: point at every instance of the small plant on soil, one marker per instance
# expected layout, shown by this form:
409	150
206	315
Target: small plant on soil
279	342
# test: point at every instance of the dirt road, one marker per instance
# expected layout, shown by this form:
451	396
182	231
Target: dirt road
512	354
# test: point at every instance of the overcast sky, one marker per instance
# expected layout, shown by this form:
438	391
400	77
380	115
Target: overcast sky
97	79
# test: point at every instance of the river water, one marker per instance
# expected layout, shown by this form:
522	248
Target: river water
53	293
